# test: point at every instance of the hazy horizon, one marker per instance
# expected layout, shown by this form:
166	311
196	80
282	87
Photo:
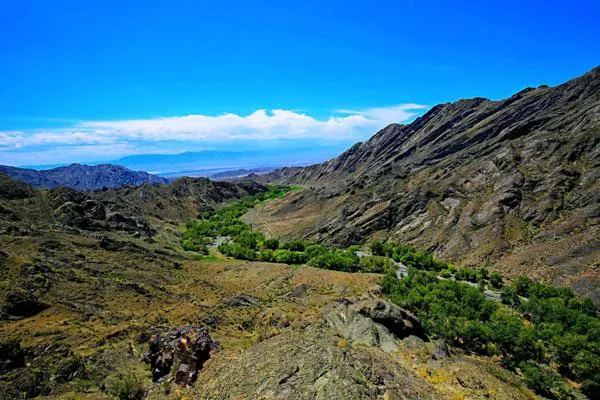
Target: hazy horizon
93	83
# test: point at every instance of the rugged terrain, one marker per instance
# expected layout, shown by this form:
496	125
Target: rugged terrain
512	185
90	282
99	299
82	177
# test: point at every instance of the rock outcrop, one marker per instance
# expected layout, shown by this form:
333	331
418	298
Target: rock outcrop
372	322
312	364
90	214
179	354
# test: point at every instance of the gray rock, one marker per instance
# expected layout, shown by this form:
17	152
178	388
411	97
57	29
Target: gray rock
372	322
243	300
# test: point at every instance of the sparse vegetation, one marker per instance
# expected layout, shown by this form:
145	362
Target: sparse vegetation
125	386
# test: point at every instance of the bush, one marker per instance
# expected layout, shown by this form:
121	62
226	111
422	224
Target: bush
376	264
289	257
125	386
266	255
522	286
496	280
591	389
237	251
510	297
248	239
294	245
336	259
467	274
272	244
377	248
543	381
446	273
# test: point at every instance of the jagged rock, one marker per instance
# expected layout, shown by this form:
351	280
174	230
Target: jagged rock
94	209
118	219
89	214
180	352
397	320
372	322
243	300
70	214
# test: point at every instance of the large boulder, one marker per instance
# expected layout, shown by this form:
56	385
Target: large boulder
397	320
372	322
180	353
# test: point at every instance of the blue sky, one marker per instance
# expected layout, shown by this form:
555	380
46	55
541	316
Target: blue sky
97	80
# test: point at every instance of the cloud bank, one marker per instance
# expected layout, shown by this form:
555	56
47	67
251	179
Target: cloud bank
261	125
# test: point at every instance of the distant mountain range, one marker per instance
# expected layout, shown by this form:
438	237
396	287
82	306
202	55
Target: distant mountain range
207	163
82	177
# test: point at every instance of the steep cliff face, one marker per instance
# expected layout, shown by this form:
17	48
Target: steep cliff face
511	184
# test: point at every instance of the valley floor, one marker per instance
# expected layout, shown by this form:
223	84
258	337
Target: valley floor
107	294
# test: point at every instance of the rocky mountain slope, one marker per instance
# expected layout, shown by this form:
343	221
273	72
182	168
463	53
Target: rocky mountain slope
99	300
513	185
129	209
82	177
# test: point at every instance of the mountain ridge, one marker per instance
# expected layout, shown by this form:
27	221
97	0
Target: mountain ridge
82	177
510	184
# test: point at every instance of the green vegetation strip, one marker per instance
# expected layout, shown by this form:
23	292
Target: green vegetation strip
545	333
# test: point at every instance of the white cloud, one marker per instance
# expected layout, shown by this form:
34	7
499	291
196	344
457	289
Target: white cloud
276	124
386	115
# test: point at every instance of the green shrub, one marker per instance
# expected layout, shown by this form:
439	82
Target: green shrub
522	286
591	389
377	248
543	381
289	256
266	255
446	273
377	264
272	244
125	386
496	280
467	274
336	259
560	331
237	251
294	245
